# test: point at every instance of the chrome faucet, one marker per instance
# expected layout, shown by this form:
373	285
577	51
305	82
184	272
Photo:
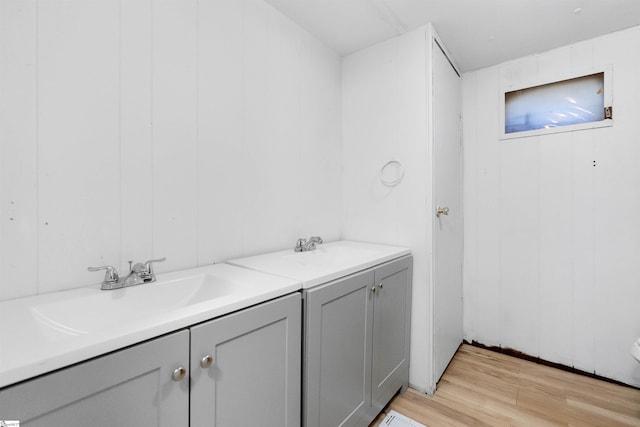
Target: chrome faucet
303	245
138	274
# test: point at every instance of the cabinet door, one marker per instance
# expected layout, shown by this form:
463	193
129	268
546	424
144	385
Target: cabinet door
131	387
391	330
338	352
254	375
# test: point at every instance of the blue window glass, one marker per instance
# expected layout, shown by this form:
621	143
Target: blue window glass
563	103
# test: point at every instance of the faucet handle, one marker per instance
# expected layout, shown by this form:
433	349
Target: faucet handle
316	239
110	276
300	245
147	264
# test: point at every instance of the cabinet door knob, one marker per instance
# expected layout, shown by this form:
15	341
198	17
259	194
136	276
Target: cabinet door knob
373	289
178	374
380	285
206	361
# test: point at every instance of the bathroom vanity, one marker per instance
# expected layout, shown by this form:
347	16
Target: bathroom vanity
200	346
357	300
170	353
206	373
356	345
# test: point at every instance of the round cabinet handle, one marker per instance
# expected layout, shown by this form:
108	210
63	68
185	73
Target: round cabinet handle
380	285
206	361
373	289
178	374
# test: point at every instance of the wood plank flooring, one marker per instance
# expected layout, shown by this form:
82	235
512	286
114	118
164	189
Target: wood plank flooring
484	388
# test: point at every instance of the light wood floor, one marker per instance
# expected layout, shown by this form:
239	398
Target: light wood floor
485	388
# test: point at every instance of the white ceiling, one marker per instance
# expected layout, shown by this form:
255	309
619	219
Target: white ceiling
477	33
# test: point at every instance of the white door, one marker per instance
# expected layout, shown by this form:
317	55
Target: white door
447	229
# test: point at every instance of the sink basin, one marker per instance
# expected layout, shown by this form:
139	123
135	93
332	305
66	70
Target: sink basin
49	331
82	314
331	254
328	262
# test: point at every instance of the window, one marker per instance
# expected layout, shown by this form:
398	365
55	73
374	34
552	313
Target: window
575	103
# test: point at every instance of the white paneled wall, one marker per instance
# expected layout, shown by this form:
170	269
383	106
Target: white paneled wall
136	131
18	160
552	239
199	130
385	118
77	139
174	106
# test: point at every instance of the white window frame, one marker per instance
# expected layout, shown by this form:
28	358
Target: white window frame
608	102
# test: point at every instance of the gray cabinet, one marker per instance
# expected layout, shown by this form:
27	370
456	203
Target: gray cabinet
391	331
337	369
252	378
130	387
356	345
245	367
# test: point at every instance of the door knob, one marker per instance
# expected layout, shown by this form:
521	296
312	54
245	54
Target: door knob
442	211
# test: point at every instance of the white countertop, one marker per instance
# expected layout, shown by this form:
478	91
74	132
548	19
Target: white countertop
42	333
328	262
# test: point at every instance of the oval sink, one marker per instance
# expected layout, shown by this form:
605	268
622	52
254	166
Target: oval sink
82	314
331	255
